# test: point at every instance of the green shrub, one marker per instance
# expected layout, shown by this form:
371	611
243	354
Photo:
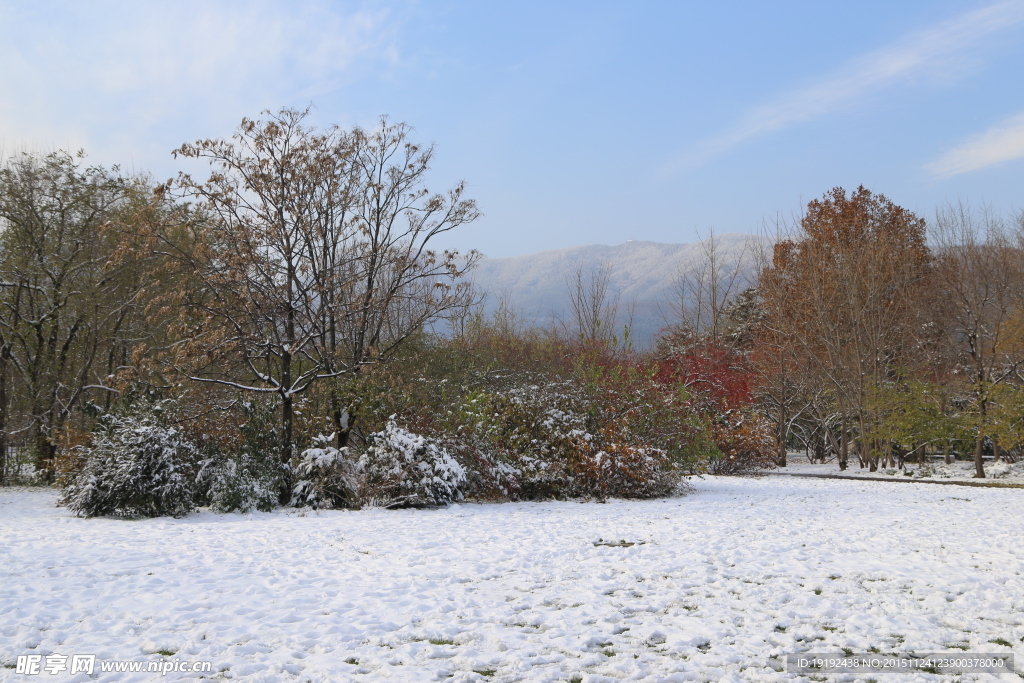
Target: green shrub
401	468
252	477
139	464
326	477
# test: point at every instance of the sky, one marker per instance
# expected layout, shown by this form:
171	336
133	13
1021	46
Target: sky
570	122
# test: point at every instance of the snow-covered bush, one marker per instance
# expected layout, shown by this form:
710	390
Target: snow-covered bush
251	477
998	470
325	477
240	482
612	466
552	440
745	443
401	468
490	472
138	464
537	436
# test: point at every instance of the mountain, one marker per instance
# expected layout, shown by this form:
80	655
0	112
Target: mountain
642	274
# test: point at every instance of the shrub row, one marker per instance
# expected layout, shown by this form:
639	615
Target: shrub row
587	423
533	442
141	464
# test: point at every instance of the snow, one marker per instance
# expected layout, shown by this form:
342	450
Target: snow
1001	472
403	467
717	586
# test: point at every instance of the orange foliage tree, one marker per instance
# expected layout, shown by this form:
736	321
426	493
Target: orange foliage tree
841	293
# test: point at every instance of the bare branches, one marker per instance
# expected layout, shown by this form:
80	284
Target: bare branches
593	306
707	284
312	257
72	284
982	267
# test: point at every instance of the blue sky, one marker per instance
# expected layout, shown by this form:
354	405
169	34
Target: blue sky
572	122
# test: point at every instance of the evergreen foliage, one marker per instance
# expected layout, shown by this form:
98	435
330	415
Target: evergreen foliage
250	478
405	469
138	465
326	477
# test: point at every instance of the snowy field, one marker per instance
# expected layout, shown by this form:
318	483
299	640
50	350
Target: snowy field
718	586
1001	472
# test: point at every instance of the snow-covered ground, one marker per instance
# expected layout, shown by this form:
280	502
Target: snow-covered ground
1001	472
719	585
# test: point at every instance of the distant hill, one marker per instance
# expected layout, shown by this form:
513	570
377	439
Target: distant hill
642	274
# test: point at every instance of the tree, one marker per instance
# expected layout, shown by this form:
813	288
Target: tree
391	284
309	256
592	305
844	291
784	387
916	413
70	288
706	286
982	271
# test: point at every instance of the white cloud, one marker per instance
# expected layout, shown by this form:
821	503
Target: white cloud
1002	142
933	52
131	80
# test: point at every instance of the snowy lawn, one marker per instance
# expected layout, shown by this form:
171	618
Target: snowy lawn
1001	472
718	586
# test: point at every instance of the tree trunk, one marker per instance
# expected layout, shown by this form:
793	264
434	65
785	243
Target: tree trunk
287	419
782	436
340	437
343	421
866	459
3	414
844	444
45	452
287	407
979	467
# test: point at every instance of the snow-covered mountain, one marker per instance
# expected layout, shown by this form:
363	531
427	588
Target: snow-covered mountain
642	274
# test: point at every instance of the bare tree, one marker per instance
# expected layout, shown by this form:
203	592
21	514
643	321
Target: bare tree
507	319
982	270
705	286
394	284
593	306
311	257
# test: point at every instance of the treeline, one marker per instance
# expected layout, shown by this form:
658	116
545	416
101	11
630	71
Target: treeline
301	259
283	331
879	336
268	335
860	331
